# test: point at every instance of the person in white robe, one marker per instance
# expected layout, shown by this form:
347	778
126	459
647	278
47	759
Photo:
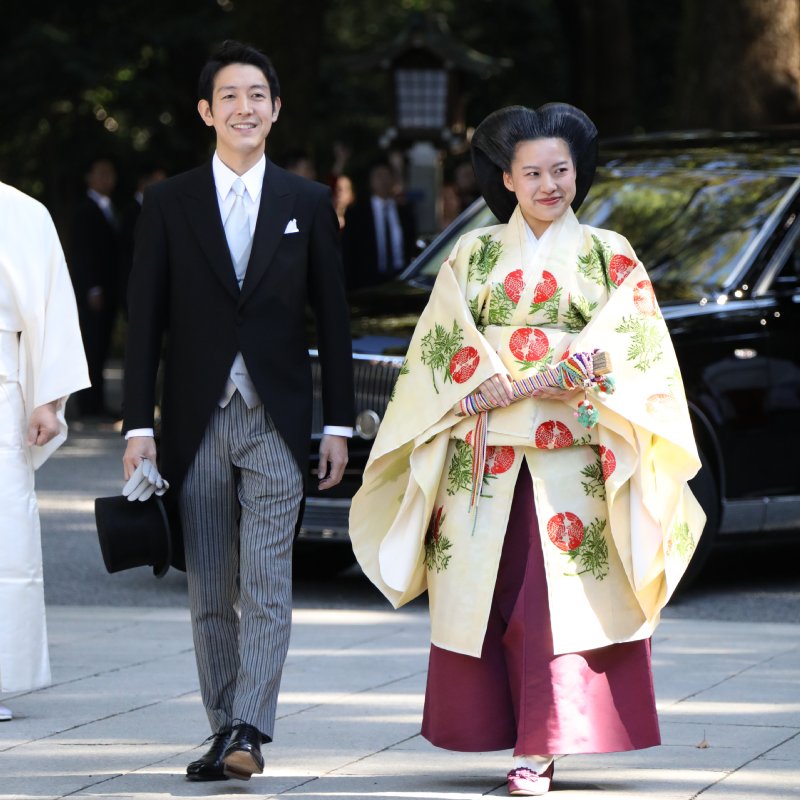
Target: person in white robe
41	363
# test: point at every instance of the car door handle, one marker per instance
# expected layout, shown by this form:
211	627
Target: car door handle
745	353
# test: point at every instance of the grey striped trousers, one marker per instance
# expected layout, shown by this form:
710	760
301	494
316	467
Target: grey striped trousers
239	505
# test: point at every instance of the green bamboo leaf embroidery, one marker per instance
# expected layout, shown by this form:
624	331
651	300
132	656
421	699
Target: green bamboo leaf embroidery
594	265
594	485
436	543
459	473
475	309
578	314
645	346
403	371
537	366
592	553
437	349
549	308
483	260
501	306
681	540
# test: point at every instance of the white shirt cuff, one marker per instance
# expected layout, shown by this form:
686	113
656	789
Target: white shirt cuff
140	432
337	430
330	430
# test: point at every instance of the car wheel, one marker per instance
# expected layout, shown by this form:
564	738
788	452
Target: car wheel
705	488
321	560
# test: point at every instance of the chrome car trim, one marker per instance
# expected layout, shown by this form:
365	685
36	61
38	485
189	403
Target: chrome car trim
765	514
396	360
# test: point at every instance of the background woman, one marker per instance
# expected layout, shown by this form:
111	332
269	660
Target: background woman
41	363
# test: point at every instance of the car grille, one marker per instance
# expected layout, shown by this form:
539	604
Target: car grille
373	378
325	519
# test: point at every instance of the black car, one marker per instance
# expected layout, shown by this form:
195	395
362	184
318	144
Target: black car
714	220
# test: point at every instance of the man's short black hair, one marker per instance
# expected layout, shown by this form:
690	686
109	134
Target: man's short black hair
233	52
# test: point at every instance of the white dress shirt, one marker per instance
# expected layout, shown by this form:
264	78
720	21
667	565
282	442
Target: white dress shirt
104	203
253	180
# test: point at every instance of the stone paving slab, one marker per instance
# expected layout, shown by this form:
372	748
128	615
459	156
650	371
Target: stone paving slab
123	716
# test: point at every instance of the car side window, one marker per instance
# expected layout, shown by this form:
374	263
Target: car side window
788	276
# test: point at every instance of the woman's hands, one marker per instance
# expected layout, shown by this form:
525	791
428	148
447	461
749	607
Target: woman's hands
497	390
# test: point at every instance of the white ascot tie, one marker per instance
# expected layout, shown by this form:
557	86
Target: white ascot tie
237	231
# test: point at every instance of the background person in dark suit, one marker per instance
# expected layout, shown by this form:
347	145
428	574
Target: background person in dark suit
379	231
94	267
227	258
147	175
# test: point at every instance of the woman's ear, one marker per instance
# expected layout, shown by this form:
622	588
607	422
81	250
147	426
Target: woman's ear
508	181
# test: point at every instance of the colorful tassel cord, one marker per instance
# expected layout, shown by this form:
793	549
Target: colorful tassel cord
478	458
574	371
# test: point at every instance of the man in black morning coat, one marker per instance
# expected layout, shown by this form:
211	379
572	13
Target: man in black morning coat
236	411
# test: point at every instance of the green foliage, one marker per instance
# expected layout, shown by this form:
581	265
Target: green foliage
404	370
437	349
682	540
459	473
436	543
501	306
594	264
578	313
644	349
549	307
592	553
482	260
594	485
475	309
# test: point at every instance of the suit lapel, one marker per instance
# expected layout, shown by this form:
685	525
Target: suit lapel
273	215
203	212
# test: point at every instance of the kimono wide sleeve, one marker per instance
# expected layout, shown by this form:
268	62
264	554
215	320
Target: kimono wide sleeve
52	364
655	520
448	358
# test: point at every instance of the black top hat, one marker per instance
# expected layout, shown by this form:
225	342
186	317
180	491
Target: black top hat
133	534
496	138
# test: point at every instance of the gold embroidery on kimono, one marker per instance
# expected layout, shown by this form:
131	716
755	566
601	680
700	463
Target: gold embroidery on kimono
617	521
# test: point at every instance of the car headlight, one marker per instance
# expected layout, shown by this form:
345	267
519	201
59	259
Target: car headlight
367	424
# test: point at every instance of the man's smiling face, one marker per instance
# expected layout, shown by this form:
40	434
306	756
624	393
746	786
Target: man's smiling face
241	112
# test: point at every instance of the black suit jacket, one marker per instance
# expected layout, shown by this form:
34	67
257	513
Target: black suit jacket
93	253
360	245
183	284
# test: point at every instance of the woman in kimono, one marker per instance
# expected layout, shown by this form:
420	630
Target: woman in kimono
550	531
41	363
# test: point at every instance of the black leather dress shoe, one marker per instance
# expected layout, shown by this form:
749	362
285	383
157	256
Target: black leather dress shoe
209	767
243	757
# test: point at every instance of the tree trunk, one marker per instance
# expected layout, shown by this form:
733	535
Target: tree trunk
291	35
739	63
601	61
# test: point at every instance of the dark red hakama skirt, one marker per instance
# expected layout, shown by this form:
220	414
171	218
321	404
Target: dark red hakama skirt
519	693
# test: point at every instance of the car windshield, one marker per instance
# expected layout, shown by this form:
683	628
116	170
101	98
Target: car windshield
690	229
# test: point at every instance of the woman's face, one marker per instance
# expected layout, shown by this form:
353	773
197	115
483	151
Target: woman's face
543	179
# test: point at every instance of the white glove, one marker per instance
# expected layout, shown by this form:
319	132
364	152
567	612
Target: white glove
145	482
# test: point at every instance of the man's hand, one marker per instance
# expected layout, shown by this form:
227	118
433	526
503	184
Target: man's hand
43	424
332	460
139	447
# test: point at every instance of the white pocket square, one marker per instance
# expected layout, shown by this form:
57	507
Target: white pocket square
291	226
